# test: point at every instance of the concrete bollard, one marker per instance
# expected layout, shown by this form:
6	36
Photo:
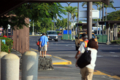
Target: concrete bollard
30	66
1	55
10	67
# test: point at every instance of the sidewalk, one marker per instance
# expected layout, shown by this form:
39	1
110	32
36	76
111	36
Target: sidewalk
64	72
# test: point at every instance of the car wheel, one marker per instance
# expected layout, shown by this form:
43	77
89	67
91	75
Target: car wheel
56	40
76	48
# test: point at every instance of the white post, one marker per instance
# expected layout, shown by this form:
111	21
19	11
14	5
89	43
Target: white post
10	67
1	55
30	66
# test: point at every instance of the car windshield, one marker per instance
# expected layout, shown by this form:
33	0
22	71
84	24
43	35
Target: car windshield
51	32
93	36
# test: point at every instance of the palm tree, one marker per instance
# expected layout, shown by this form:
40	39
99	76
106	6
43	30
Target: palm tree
72	11
108	6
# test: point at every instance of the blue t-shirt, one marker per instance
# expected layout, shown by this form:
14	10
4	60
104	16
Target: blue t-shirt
44	40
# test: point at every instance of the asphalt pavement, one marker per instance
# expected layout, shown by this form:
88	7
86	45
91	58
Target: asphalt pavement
107	65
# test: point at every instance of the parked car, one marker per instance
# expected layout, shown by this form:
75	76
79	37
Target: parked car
38	33
52	35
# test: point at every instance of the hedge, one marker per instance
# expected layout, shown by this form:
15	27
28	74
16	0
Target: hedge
115	42
8	46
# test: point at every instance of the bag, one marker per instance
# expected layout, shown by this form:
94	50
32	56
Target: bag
38	43
84	59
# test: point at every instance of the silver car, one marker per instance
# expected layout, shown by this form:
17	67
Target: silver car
52	35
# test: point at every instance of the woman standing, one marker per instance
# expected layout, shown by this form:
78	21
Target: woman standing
87	72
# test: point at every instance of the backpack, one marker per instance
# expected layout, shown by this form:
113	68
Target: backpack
84	59
38	42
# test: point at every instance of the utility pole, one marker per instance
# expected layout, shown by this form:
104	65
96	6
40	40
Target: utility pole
89	19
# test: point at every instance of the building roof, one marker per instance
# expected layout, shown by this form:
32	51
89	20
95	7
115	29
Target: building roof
109	22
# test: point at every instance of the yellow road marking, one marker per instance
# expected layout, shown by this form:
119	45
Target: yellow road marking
34	49
60	58
62	63
101	73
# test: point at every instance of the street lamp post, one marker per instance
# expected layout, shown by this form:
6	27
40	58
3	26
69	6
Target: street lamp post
102	16
78	19
33	28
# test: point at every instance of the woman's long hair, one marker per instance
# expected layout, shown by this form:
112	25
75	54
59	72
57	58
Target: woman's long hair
92	44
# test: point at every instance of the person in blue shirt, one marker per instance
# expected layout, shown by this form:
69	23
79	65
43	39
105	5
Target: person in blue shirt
44	44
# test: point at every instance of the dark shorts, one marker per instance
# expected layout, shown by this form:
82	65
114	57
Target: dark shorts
39	49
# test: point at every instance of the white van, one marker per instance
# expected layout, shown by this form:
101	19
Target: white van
52	35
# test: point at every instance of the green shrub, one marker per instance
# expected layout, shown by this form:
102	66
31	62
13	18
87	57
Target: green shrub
115	41
9	44
4	47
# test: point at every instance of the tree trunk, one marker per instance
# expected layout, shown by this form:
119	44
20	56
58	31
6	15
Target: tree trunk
97	23
100	25
73	30
4	31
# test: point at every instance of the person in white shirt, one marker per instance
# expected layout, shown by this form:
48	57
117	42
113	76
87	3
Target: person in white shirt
83	45
87	72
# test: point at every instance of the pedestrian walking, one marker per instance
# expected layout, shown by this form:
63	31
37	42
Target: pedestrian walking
87	71
83	45
44	44
38	44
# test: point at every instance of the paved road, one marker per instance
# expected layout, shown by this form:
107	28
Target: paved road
107	61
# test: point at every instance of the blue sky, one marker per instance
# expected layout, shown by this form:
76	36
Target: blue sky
116	4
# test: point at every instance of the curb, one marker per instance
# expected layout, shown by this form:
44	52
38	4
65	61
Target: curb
65	62
34	35
66	40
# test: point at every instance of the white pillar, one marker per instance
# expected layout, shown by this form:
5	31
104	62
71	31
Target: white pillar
107	28
10	67
30	66
115	32
1	55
